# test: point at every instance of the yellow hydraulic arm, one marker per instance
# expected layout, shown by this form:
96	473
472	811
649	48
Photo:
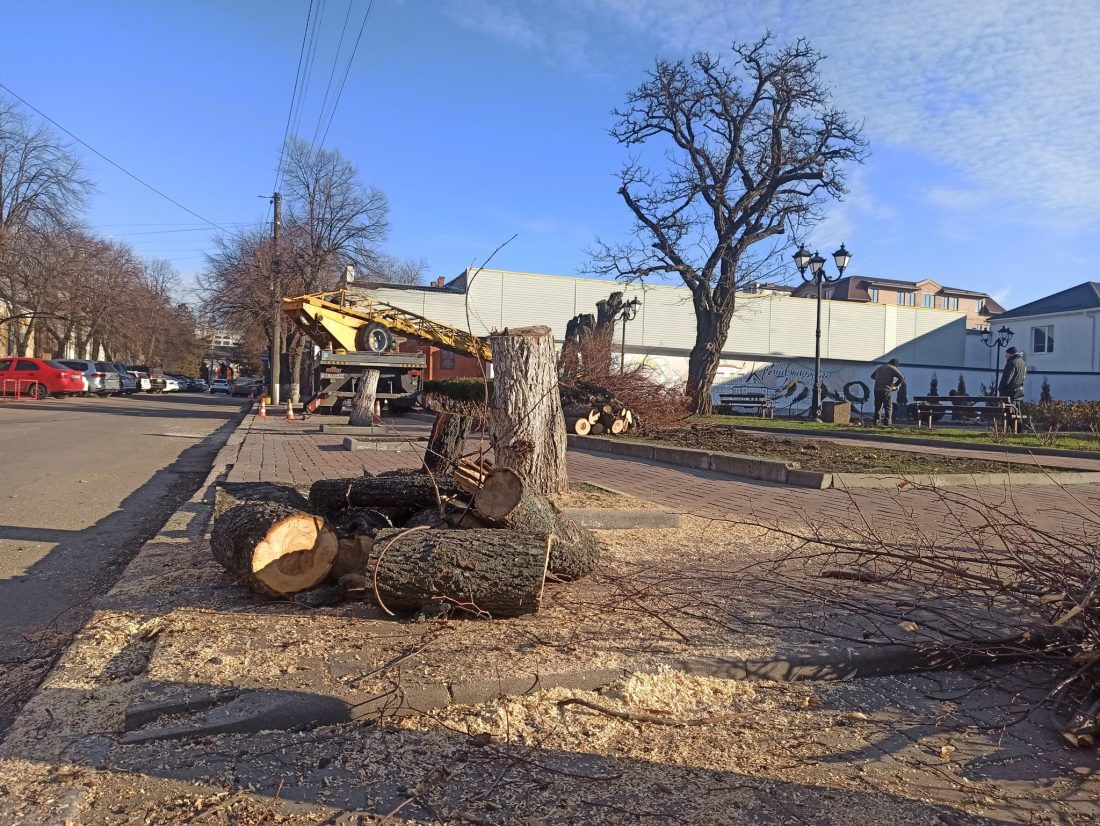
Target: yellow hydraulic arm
344	317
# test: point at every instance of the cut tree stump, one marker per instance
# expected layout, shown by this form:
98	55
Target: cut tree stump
526	423
274	549
449	433
397	493
362	406
483	573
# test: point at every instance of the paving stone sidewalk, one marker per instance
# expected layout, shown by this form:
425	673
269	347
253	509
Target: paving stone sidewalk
297	452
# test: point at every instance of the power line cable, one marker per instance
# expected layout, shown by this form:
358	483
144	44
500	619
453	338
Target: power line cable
309	63
344	80
117	166
293	96
331	74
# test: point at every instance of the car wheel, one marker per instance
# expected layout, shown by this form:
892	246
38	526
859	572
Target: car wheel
40	392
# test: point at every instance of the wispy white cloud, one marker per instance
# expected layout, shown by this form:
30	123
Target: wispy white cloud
999	90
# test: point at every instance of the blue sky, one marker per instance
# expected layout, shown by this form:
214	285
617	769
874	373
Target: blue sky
484	118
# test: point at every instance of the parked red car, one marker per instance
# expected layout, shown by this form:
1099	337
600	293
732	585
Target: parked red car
38	378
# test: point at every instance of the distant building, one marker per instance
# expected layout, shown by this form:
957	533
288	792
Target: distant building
926	294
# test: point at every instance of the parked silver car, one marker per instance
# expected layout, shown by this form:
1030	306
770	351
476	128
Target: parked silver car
102	378
129	381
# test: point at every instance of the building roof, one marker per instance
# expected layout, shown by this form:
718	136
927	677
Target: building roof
1082	297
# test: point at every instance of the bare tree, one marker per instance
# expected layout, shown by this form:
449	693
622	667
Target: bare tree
388	269
753	153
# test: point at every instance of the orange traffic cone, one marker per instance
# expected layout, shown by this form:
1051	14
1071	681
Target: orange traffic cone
263	410
289	411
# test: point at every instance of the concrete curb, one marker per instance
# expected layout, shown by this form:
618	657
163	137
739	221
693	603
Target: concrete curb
731	464
604	519
391	443
789	473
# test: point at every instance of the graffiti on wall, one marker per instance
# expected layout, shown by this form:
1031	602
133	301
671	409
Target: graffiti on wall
790	383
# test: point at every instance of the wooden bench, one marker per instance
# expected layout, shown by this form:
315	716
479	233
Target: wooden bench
764	406
993	408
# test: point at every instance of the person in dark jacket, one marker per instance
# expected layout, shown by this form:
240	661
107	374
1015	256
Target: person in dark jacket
1012	377
888	378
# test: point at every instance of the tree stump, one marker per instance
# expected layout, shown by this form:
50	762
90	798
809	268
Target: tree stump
362	406
527	426
273	548
481	573
446	441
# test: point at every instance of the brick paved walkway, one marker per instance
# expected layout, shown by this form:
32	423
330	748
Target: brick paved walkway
296	452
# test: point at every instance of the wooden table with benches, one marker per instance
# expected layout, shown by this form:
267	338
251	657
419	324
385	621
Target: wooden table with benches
999	409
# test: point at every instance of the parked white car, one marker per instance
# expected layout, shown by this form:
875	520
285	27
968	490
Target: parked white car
220	386
171	385
144	385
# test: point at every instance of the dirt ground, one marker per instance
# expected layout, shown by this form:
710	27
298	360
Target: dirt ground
646	743
821	455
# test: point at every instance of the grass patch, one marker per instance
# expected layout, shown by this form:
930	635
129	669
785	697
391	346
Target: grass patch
971	435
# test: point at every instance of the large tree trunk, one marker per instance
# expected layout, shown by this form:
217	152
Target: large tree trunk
362	406
711	329
483	573
274	549
527	427
445	444
398	493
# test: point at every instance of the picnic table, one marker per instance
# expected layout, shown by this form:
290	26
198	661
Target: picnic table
764	406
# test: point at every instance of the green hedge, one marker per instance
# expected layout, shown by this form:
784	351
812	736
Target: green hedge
459	390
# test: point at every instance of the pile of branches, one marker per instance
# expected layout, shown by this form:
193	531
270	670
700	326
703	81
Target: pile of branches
991	586
587	376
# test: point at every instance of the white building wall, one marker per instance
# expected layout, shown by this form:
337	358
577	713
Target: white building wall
771	338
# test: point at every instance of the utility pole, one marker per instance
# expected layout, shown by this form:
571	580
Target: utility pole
276	356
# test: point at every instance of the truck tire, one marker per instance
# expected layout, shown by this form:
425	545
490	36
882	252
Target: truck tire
374	338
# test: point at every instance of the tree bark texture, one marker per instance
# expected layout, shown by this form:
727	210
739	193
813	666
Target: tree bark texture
273	548
483	573
446	441
230	494
362	406
397	494
527	427
574	551
711	329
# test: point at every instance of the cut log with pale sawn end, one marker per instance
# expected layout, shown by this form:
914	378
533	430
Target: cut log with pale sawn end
274	549
478	573
399	495
581	427
500	494
617	426
230	494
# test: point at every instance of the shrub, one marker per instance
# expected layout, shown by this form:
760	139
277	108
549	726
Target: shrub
1067	415
960	388
1044	393
934	386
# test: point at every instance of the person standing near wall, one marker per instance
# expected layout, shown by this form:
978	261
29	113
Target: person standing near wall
1013	375
888	378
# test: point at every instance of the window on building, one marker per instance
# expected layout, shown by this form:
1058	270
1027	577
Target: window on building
446	360
928	301
979	305
874	294
907	299
1042	339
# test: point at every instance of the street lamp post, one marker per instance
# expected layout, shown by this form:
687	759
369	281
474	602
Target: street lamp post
816	264
1003	337
629	313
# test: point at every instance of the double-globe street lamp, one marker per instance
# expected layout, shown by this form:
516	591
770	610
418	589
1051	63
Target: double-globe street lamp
816	265
1002	338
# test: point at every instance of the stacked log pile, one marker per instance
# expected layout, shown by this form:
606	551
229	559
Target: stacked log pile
475	543
591	410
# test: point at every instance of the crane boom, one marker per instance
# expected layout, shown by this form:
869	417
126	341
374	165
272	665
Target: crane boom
343	316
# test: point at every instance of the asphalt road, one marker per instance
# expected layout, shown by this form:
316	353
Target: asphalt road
83	484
